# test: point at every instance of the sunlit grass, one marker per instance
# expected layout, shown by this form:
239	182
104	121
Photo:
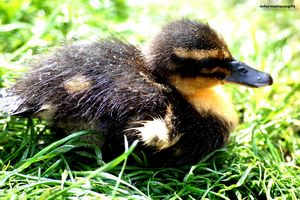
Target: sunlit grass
262	159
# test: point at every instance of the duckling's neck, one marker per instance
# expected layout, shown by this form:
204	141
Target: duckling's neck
207	96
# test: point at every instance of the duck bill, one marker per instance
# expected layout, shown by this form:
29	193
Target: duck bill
245	75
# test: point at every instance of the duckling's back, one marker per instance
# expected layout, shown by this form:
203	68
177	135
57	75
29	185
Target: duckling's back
96	86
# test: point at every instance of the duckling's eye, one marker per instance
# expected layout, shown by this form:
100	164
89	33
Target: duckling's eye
219	75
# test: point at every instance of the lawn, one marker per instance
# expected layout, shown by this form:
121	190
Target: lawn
262	158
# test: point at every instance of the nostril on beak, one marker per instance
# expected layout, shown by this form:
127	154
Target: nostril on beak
242	70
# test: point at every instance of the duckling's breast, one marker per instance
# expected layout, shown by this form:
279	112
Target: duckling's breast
202	124
214	101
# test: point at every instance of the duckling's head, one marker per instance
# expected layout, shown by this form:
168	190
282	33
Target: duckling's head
189	53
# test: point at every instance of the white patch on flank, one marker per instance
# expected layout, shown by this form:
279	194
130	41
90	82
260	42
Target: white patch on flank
154	133
76	84
157	132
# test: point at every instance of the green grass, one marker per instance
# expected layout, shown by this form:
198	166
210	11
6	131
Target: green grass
262	158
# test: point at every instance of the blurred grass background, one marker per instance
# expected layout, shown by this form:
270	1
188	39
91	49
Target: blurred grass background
262	159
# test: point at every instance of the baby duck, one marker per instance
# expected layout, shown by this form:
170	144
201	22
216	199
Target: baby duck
171	99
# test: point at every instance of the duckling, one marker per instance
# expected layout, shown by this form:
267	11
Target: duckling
170	100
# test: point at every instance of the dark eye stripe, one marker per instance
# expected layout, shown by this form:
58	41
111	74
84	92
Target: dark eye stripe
192	72
192	68
219	75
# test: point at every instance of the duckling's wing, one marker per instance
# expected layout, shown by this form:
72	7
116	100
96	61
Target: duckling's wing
104	84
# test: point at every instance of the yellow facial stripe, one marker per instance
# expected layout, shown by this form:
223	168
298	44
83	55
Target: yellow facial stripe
201	54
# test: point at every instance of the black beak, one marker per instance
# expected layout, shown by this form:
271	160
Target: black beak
246	75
